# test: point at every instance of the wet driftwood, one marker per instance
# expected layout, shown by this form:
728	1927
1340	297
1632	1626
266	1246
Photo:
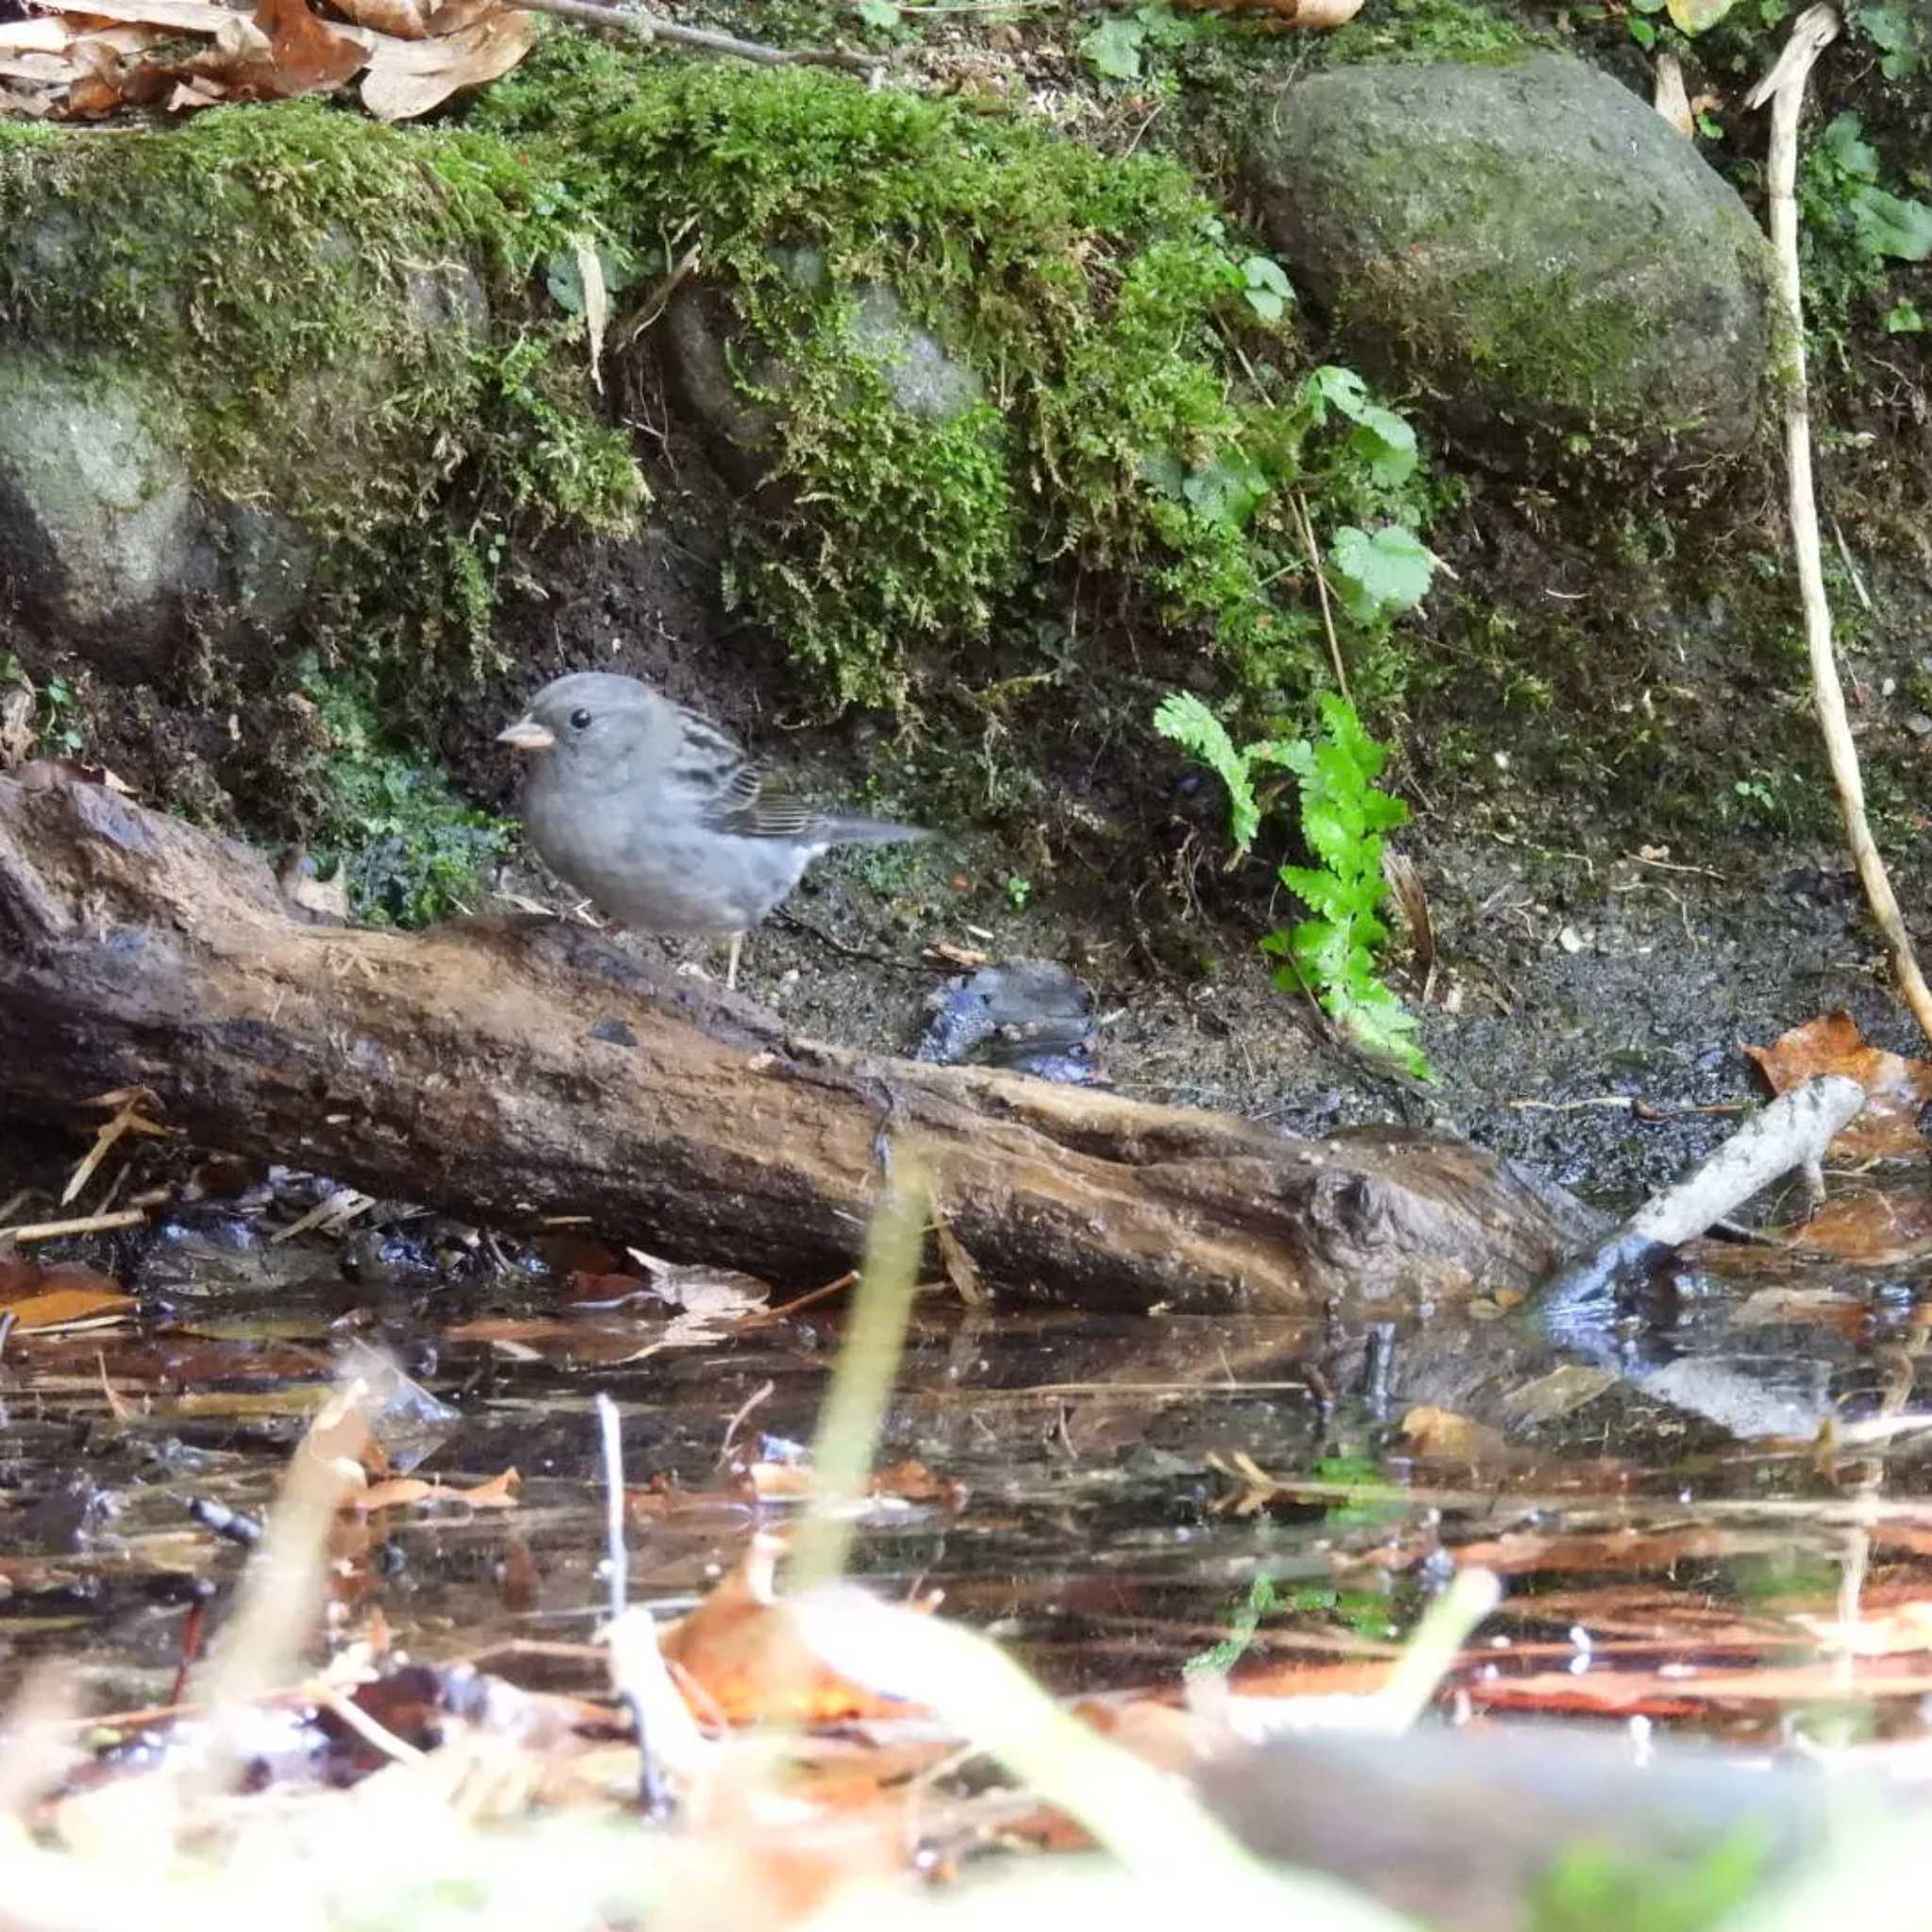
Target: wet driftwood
503	1071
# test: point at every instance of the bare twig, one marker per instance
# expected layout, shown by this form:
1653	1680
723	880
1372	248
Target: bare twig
658	298
1784	87
652	1793
616	1555
1321	592
1792	1132
85	1223
647	26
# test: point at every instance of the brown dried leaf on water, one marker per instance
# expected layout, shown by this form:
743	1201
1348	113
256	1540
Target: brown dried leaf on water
780	1482
1442	1434
913	1482
1896	1087
396	1493
409	77
1555	1394
1817	1307
742	1649
67	1297
1897	1632
560	1344
716	1293
1871	1226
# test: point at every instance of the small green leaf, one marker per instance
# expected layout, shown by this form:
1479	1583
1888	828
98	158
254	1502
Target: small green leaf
1166	474
1889	225
1268	290
1113	48
1183	718
1643	32
1230	488
880	13
1903	319
1163	26
1383	574
1842	142
565	281
1387	444
1332	386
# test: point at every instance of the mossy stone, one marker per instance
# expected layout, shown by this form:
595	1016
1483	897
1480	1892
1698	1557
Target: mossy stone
1532	245
100	537
713	360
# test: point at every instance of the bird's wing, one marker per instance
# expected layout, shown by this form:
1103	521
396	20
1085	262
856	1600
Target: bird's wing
731	794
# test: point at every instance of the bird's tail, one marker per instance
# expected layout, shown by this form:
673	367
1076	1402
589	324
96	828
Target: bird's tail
848	831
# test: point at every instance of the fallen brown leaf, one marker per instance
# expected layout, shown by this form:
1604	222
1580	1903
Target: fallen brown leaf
283	51
1896	1087
409	77
742	1650
1440	1433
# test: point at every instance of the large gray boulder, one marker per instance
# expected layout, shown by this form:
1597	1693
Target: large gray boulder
1537	249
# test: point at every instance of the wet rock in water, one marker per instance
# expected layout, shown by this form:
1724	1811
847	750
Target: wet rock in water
1030	1016
426	1248
210	1247
1530	240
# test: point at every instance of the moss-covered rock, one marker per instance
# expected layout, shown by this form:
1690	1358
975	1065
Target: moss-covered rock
715	365
100	537
251	355
1101	305
1535	247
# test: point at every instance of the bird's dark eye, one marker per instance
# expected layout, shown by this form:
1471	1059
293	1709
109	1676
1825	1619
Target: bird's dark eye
580	719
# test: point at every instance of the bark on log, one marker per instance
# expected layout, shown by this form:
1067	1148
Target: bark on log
501	1070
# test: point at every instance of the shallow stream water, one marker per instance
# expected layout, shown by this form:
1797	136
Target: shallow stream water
1117	1499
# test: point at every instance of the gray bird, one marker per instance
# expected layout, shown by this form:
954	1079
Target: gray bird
657	816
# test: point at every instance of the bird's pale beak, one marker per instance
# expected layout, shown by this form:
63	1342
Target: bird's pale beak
527	735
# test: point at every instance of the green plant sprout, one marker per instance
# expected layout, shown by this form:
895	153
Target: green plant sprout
1343	819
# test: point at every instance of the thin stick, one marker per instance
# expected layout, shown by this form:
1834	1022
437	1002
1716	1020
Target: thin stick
86	1223
652	1794
1784	87
1321	592
647	26
616	1555
761	1316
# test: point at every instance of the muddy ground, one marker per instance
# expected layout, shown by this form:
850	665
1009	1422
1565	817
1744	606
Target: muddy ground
1587	950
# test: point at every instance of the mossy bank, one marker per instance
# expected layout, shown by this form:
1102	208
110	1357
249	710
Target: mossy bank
975	424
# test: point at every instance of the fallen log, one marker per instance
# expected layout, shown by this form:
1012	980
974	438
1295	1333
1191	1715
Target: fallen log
508	1070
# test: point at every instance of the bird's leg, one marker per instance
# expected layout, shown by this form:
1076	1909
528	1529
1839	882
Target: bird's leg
731	964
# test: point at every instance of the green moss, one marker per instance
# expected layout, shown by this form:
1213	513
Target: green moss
1425	31
338	309
405	843
1101	301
